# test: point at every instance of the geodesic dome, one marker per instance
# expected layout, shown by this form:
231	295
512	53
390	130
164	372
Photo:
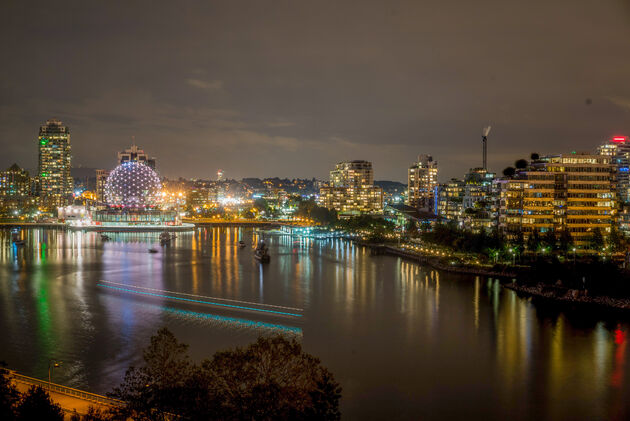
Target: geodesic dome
132	185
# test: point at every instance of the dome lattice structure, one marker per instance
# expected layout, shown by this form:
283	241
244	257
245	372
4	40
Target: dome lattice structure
132	185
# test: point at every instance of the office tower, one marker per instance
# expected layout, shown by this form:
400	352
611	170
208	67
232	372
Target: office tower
55	159
422	183
135	154
352	189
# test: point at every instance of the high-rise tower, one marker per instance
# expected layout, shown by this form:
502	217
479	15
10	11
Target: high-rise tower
55	161
422	183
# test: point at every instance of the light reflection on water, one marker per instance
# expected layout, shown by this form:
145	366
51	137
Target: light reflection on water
405	341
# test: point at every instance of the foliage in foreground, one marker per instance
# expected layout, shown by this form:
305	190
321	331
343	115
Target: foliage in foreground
272	378
32	405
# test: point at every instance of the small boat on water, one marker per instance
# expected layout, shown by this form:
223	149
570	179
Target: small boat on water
15	237
262	252
165	238
152	250
241	244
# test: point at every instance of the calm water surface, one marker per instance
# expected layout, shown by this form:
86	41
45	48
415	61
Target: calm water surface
405	341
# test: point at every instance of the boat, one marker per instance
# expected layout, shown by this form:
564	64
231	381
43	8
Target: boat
152	250
15	237
105	237
262	252
241	244
165	238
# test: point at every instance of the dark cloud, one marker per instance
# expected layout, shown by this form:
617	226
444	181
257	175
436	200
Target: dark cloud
288	88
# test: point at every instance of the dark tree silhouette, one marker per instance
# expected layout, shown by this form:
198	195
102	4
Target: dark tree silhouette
36	405
509	171
9	396
596	242
270	379
521	164
534	156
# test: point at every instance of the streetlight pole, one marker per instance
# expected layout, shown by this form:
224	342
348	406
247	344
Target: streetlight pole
51	366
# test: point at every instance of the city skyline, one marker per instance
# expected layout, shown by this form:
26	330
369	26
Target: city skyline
239	87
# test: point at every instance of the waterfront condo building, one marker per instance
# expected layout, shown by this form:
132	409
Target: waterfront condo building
618	149
574	192
16	188
450	200
135	154
510	193
352	190
55	159
422	183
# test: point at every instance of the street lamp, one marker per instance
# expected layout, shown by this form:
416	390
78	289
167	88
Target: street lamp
573	255
52	364
513	256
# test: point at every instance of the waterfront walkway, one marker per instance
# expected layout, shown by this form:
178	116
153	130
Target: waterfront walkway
68	398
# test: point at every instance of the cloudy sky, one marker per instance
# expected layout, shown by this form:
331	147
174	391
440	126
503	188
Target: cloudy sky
275	88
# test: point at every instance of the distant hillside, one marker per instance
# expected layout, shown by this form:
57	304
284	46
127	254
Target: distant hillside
391	186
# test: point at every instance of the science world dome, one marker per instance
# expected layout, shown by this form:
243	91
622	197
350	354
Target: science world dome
132	185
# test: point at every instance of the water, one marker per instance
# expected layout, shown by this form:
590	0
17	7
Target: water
405	341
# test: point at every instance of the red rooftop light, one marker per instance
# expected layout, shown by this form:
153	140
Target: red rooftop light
619	138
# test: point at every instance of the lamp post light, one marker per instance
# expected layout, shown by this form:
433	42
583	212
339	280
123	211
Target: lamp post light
513	256
52	364
574	255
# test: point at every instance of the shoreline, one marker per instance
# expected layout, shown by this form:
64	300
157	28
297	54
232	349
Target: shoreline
558	295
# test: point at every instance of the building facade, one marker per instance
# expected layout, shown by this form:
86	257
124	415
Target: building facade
618	149
422	183
352	190
136	154
450	200
572	192
101	179
55	161
15	188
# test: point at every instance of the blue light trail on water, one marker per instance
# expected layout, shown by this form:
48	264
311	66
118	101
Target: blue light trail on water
151	294
247	323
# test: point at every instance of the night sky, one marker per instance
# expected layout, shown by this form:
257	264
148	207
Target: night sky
274	88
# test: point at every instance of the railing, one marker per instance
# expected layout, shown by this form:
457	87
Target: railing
80	394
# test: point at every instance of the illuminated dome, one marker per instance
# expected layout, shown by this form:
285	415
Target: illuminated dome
132	185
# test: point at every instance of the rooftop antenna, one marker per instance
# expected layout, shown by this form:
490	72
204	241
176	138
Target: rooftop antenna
484	141
133	141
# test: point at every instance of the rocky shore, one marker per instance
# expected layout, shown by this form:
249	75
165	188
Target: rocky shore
569	296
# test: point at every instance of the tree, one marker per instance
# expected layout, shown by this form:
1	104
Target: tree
534	156
521	164
565	240
36	405
549	239
410	228
615	239
158	387
596	242
9	396
509	171
270	379
533	241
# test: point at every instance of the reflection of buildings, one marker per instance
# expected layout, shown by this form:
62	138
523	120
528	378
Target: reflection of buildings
352	189
55	181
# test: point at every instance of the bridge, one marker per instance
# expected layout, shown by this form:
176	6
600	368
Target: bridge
68	398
